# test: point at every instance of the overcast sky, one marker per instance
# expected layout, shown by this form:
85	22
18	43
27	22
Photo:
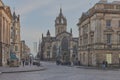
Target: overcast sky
37	16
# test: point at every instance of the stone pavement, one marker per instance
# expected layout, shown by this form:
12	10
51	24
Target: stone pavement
98	68
21	69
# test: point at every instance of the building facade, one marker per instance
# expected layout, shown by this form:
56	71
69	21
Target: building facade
25	51
99	34
61	47
5	24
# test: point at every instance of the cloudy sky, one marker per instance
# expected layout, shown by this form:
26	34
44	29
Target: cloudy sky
37	16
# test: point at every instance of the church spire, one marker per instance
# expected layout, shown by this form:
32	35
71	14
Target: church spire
60	23
48	33
60	10
14	15
42	36
60	14
71	30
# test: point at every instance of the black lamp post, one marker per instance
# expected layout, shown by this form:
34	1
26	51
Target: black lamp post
88	56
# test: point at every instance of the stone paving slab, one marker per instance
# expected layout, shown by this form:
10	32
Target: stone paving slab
98	68
20	69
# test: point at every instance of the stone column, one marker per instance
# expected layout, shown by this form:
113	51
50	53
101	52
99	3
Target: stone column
98	25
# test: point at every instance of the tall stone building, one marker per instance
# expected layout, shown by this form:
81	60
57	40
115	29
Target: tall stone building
24	50
15	36
5	24
99	34
63	46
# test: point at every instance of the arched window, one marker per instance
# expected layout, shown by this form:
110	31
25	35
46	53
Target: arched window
64	44
62	21
65	50
54	52
75	49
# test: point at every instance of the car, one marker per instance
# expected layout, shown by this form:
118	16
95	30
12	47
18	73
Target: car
36	62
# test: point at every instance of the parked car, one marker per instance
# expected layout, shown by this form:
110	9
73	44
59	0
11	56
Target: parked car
36	62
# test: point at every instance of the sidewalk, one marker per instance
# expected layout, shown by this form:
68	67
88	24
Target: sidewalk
98	68
21	69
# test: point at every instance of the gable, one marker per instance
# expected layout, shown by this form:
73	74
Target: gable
63	34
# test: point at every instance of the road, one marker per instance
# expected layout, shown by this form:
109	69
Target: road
54	72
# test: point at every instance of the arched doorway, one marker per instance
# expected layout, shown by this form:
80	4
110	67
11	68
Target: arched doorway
65	50
54	52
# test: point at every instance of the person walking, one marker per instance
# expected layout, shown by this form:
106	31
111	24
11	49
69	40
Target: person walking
106	64
103	65
23	62
30	61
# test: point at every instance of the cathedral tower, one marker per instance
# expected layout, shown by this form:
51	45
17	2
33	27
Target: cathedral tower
60	23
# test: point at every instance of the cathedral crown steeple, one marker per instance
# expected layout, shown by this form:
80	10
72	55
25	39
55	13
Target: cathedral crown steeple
60	19
60	12
60	23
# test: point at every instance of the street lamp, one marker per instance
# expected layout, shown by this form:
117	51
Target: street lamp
88	56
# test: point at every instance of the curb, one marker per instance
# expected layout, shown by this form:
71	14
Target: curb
23	71
98	68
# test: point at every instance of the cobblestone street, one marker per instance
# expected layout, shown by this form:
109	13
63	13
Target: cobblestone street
54	72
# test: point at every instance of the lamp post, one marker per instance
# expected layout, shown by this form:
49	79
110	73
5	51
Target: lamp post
88	56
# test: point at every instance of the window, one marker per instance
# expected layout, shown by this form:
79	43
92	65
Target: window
85	28
108	6
109	37
91	39
48	54
109	58
64	44
118	38
58	21
83	56
80	41
16	32
48	47
118	7
108	23
119	55
16	48
119	23
58	30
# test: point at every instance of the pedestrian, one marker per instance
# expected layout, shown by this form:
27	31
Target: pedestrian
103	64
23	62
106	64
78	63
8	62
30	62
